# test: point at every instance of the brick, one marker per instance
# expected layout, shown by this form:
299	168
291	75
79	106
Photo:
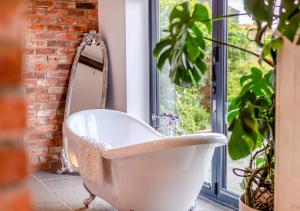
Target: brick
31	75
13	162
78	28
64	66
67	20
58	74
55	11
36	135
48	143
35	11
56	27
54	30
75	12
57	90
48	128
60	59
35	58
46	19
64	4
66	36
66	51
85	6
44	51
37	106
30	43
44	35
46	113
42	67
57	43
13	113
36	27
87	21
92	13
39	151
44	3
36	90
16	199
95	28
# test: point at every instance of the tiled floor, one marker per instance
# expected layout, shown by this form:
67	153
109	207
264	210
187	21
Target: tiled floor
52	192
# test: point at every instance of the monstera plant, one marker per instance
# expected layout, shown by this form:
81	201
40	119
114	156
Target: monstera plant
251	115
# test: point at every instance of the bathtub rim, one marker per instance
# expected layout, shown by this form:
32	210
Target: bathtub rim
164	144
149	146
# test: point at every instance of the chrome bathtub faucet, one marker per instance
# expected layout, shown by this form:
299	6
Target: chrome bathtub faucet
169	124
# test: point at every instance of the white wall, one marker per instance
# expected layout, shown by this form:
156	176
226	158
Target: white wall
113	29
124	25
137	54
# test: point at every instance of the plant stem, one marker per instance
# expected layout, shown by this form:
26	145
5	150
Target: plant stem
217	18
248	191
242	49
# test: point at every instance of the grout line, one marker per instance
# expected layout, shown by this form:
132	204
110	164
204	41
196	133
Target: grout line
45	186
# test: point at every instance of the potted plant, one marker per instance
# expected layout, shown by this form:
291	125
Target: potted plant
251	115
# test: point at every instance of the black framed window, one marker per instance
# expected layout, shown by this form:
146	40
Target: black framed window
210	101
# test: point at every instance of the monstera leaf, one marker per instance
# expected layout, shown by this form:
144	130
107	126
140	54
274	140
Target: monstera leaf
289	21
266	13
183	49
251	113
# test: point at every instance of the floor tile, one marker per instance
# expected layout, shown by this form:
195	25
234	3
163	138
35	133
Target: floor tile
43	199
53	192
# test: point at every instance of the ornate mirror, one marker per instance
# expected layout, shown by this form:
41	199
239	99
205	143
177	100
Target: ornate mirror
87	86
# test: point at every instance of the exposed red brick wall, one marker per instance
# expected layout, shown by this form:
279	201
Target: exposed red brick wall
14	170
54	30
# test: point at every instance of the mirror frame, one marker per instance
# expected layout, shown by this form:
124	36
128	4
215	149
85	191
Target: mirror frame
89	39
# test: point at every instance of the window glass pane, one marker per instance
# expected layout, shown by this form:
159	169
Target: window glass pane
193	105
239	64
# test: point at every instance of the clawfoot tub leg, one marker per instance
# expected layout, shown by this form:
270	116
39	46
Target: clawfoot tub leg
89	200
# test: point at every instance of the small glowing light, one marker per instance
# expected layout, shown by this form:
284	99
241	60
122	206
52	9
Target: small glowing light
283	10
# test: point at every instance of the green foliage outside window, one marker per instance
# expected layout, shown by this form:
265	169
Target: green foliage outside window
187	102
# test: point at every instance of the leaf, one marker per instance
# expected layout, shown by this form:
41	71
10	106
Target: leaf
261	10
201	65
192	48
259	161
276	43
289	21
160	46
248	121
198	35
231	115
163	58
257	84
184	46
180	13
238	145
202	14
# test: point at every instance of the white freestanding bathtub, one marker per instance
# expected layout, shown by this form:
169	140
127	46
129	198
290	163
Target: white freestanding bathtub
143	170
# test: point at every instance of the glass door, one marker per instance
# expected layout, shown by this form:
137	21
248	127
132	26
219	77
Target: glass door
192	105
205	109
